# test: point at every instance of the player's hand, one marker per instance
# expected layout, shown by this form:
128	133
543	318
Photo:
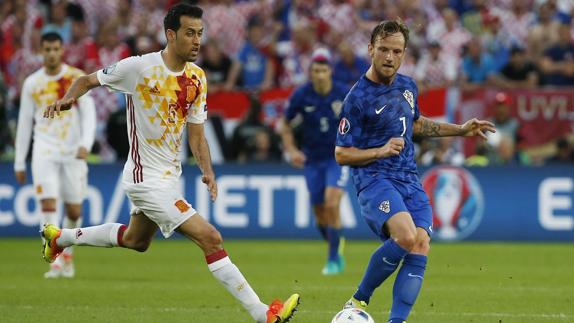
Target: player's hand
297	158
21	177
393	147
56	107
209	180
475	127
82	153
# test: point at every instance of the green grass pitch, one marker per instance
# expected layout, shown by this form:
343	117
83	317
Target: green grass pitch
465	282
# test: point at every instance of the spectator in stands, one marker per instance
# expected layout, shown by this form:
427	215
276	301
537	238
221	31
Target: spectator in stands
262	150
544	33
58	20
507	154
564	153
496	41
517	21
435	70
477	66
473	19
244	142
450	33
503	120
349	67
480	157
444	152
254	70
82	51
519	72
217	66
558	63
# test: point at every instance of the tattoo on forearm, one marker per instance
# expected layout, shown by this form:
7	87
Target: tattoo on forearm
429	128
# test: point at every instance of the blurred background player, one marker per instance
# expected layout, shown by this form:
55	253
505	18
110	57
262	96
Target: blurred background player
379	118
165	93
61	145
319	104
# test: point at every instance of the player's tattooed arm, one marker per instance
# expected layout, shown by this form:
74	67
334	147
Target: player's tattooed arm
425	127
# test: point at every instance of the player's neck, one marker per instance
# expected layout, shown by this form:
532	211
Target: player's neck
324	89
52	71
171	61
374	77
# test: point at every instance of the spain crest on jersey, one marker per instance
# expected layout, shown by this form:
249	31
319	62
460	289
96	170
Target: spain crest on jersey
410	99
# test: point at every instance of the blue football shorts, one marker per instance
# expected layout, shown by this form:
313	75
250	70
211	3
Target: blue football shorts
382	199
322	174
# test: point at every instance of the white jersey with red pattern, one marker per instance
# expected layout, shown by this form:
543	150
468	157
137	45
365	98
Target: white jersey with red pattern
160	103
58	138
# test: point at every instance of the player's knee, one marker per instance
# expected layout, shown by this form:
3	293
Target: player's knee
212	240
73	214
407	241
421	247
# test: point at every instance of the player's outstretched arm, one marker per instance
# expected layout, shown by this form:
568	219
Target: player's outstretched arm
426	127
79	87
353	156
200	149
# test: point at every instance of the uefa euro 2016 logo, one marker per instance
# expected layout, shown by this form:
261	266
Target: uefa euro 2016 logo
456	200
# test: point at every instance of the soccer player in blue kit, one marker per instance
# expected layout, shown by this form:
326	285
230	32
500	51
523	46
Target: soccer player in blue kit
379	118
319	104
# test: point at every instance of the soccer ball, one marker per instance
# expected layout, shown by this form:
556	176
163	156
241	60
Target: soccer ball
352	315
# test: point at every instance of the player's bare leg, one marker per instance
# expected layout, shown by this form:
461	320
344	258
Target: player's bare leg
335	263
48	207
210	241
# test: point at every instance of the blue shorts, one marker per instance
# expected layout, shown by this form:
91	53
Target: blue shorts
322	174
386	197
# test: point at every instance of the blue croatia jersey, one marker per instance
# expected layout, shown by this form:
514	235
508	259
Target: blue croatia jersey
373	114
320	119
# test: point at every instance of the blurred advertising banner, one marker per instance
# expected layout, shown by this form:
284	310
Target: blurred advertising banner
271	202
544	115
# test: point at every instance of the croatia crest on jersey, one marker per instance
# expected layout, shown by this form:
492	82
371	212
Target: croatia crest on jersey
410	99
337	106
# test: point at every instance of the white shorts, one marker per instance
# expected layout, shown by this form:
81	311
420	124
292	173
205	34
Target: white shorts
67	179
162	202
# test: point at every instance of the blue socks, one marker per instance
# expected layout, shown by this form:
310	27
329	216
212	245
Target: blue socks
333	237
323	230
407	286
383	263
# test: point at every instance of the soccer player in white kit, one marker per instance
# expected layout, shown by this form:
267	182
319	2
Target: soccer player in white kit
61	144
165	92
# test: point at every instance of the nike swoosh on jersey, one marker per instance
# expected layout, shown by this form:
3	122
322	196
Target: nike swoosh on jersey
378	111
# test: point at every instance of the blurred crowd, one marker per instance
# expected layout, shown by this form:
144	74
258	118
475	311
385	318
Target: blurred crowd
257	45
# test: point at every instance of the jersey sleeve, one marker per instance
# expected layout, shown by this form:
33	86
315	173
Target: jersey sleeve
293	106
350	125
25	125
121	76
417	113
198	113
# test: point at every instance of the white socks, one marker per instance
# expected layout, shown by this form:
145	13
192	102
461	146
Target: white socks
104	235
70	224
229	275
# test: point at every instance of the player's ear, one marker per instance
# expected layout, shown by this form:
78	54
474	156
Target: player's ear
370	49
170	35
